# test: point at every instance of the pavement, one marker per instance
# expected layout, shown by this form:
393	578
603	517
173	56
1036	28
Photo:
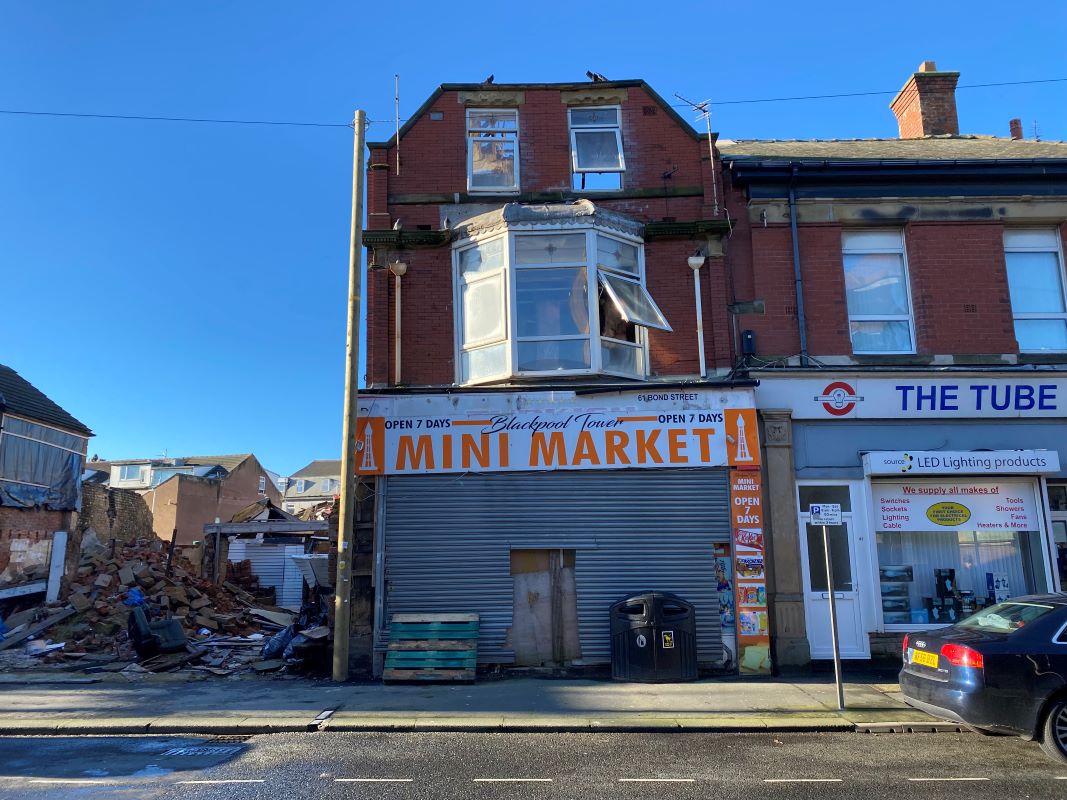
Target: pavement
66	705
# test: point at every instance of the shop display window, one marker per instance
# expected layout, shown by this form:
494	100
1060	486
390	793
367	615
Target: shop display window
939	577
1057	500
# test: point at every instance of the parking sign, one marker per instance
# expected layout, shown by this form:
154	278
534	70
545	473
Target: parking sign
825	513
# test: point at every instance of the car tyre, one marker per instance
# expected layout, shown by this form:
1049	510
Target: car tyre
1054	731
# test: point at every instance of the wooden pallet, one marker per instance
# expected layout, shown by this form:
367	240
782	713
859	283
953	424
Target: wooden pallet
432	647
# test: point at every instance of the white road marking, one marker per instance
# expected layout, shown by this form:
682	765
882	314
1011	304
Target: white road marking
235	780
657	780
946	779
802	780
373	780
513	780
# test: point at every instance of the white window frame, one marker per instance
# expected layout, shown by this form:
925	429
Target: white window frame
593	337
616	127
1058	250
301	485
262	486
124	467
902	251
471	138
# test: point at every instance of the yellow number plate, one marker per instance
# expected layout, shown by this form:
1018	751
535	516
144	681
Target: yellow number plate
926	659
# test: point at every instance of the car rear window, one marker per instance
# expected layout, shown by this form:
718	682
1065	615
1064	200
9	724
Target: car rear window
1006	617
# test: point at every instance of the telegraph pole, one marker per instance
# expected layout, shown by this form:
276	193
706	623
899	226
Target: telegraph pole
342	602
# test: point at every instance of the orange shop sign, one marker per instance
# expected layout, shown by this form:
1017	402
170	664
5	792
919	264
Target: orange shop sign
561	437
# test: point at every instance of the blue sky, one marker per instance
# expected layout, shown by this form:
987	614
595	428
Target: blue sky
181	287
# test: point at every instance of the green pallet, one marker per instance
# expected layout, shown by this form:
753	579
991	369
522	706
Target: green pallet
432	647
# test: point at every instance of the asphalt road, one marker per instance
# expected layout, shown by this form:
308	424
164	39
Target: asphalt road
554	765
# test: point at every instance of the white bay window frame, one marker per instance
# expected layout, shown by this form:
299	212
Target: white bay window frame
597	274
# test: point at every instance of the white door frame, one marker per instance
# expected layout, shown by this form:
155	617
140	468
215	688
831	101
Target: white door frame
859	555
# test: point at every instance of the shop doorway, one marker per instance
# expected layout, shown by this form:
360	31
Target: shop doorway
544	630
847	554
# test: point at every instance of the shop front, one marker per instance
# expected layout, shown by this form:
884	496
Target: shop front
539	510
952	492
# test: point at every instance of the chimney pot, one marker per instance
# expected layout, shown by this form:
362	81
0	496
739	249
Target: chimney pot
1016	126
926	106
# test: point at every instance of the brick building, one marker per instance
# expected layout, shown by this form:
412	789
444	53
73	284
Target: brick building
911	359
551	418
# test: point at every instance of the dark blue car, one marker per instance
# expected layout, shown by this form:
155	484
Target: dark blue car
1001	670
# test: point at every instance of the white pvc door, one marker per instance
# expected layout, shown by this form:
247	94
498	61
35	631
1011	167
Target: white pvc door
847	557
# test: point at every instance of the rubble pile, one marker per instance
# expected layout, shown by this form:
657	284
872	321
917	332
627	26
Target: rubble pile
225	626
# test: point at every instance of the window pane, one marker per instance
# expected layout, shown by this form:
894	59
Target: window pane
484	362
483	258
597	150
1034	282
483	310
492	163
633	302
611	322
839	555
596	181
943	576
825	494
566	248
492	120
551	302
619	357
875	285
1057	496
614	254
881	337
1043	238
1041	334
559	355
594	116
864	241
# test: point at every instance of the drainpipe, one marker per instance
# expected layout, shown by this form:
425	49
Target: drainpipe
695	263
398	268
798	281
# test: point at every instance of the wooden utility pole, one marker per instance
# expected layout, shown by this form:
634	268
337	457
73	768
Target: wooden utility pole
342	603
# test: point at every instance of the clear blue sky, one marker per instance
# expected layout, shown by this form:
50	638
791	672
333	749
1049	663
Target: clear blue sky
181	287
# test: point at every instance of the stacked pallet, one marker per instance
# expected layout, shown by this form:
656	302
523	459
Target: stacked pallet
432	647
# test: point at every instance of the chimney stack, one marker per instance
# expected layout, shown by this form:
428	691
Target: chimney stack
1016	126
926	106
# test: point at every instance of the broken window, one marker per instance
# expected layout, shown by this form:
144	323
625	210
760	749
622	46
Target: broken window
597	162
492	150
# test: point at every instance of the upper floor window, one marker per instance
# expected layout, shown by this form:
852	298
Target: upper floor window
562	301
301	486
283	484
1034	260
130	472
877	292
262	485
493	150
597	162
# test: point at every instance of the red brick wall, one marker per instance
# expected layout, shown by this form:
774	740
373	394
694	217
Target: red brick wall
30	524
433	160
959	288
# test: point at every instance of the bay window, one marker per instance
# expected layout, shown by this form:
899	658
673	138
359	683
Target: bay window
552	301
877	293
1036	285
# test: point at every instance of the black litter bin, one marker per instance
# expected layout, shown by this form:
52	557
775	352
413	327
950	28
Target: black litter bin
653	638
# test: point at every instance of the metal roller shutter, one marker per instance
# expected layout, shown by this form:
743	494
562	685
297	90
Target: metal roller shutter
448	542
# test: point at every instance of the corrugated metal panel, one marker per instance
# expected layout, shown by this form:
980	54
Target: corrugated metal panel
271	564
448	541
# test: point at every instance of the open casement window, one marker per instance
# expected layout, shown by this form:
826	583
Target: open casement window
877	291
597	161
1034	260
550	303
493	150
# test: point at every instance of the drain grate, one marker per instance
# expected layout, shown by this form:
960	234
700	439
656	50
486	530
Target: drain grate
910	727
227	739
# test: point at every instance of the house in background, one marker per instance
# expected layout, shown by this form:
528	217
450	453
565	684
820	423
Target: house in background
319	482
42	453
183	494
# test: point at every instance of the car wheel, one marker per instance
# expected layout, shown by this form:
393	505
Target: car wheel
1054	732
